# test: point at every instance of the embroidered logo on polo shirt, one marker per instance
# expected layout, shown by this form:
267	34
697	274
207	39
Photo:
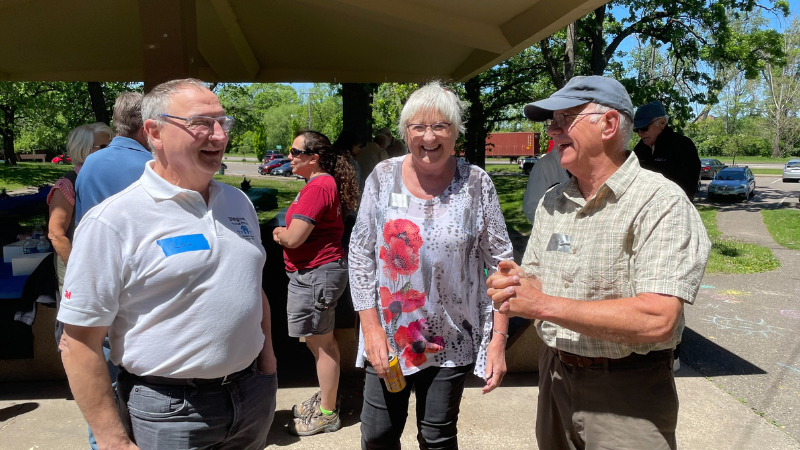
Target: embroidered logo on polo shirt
241	227
67	295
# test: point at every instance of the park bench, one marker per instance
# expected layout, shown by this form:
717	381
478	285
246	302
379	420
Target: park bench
29	157
37	155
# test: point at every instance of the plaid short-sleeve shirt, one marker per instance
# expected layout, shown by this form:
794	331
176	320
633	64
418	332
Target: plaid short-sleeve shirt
638	234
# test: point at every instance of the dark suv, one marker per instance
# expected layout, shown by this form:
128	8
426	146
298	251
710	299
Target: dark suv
526	164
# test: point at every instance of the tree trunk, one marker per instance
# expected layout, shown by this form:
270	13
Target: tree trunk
357	110
475	149
776	143
569	52
598	57
552	69
98	102
7	133
652	61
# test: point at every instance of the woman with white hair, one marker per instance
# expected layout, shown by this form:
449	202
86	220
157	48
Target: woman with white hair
428	227
81	142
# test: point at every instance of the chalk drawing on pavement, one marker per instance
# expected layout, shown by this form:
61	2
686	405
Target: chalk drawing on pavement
745	327
789	367
793	313
705	286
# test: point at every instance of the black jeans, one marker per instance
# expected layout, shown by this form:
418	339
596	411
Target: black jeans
438	393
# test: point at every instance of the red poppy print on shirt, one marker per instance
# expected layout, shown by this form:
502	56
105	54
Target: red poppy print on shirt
400	252
402	301
415	344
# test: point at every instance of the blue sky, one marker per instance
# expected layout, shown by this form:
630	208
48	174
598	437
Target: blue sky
627	44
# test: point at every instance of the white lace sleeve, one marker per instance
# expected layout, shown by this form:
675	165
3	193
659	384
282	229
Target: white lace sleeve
362	258
493	239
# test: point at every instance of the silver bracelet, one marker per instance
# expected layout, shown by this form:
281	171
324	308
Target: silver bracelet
500	332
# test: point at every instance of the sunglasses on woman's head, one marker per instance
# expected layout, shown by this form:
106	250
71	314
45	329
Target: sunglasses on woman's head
298	152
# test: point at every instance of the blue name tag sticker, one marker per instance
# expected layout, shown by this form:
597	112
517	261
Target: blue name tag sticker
181	244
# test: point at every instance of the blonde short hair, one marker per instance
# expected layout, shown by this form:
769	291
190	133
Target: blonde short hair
80	142
432	97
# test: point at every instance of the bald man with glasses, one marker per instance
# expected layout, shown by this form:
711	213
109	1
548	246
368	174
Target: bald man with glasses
170	268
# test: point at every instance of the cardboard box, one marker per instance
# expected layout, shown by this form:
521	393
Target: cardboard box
12	250
26	264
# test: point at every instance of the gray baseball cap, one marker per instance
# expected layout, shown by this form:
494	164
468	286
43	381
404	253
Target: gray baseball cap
579	91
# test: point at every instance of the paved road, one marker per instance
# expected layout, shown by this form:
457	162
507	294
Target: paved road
771	191
250	170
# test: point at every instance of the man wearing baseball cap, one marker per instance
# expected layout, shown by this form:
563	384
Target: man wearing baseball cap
614	255
663	150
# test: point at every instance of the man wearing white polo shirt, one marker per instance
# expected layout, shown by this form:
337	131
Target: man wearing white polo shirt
171	268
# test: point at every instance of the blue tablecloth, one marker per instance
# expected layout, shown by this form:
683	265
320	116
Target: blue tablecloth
10	286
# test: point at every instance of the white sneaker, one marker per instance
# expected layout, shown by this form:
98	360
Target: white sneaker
677	366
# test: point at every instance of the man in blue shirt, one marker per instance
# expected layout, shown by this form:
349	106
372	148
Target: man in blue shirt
115	167
111	170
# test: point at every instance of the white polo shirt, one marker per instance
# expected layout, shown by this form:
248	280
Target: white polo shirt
177	282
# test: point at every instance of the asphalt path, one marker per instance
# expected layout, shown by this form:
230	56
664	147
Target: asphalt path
743	332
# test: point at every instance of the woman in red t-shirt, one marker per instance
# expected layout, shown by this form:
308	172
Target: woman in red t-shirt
317	267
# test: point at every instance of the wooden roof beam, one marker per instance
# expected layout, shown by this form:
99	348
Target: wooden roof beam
422	21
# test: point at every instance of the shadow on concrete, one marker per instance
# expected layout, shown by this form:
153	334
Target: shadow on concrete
35	390
711	360
17	410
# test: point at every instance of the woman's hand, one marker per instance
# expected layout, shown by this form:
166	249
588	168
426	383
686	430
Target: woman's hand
375	343
377	348
495	363
276	232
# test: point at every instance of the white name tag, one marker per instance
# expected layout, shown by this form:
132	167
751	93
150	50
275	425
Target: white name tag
399	200
559	243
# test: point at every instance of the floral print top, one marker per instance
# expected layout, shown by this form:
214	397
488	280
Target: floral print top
422	265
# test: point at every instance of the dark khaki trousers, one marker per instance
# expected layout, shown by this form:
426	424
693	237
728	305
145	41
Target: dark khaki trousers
634	405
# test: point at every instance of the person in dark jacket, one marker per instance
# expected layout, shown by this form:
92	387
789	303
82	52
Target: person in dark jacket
663	150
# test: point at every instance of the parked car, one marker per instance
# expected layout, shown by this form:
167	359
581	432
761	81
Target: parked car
266	168
709	168
791	171
271	155
527	163
62	159
733	181
285	170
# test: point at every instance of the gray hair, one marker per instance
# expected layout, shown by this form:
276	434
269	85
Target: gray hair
80	141
433	97
128	114
625	123
156	102
381	140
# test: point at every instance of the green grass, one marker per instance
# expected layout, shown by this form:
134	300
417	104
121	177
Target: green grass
730	256
26	174
510	190
767	171
287	191
751	159
492	168
784	226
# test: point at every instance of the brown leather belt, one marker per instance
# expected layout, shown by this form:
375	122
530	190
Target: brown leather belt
586	362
